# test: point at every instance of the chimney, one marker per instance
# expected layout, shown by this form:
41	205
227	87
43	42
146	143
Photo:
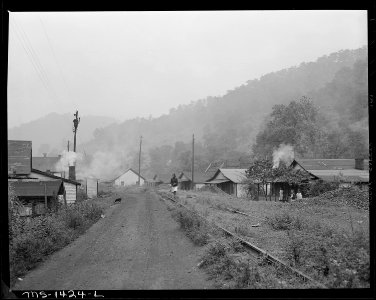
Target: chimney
72	172
44	154
359	163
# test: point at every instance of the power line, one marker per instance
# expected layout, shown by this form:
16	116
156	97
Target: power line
54	55
36	60
27	51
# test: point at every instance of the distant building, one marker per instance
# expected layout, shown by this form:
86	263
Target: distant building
129	177
199	178
230	181
346	171
49	165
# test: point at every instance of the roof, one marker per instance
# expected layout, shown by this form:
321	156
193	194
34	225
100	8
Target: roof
46	163
199	176
335	169
130	169
329	164
55	177
223	175
346	175
36	188
19	157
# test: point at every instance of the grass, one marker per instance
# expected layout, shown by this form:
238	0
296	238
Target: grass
326	241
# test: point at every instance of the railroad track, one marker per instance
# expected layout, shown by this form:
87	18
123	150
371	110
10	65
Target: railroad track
253	248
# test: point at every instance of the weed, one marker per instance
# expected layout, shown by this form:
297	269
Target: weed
284	221
244	229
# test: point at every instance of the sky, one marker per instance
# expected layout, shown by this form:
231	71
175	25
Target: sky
141	64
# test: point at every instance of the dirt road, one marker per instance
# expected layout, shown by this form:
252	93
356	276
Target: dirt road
136	246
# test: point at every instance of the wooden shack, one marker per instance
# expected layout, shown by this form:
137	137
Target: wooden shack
37	196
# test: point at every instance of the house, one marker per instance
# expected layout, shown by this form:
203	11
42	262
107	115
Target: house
129	177
37	196
230	181
70	186
155	181
347	171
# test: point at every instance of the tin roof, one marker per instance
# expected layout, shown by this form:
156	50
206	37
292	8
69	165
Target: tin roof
36	188
330	164
234	175
334	169
55	177
199	176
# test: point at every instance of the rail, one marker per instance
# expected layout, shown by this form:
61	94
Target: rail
256	250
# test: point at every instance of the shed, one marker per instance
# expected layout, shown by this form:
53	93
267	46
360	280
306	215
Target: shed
70	186
230	181
37	196
129	177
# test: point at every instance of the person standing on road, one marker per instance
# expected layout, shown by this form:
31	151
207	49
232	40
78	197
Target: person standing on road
174	184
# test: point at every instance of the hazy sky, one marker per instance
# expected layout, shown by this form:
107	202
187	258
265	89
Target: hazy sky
129	64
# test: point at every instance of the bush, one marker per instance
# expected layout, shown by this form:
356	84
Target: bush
334	259
319	187
31	241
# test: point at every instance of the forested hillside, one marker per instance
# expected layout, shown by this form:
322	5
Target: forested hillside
237	126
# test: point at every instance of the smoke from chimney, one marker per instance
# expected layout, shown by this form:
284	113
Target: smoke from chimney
283	153
67	159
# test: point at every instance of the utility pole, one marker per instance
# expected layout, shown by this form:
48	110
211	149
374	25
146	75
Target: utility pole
75	125
139	163
193	160
68	146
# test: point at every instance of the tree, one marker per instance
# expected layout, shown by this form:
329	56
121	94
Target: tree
262	172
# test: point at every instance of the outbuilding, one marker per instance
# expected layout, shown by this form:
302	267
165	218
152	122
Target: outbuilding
70	186
230	181
37	196
129	177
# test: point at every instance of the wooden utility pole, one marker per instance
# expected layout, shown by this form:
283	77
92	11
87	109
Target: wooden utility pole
139	163
193	161
75	125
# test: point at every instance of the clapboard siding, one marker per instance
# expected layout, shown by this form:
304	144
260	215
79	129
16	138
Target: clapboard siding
70	192
19	157
91	186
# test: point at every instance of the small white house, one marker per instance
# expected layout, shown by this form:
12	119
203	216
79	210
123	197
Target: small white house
129	177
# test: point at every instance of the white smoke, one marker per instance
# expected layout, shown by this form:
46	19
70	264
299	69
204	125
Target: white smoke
283	153
103	165
68	158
